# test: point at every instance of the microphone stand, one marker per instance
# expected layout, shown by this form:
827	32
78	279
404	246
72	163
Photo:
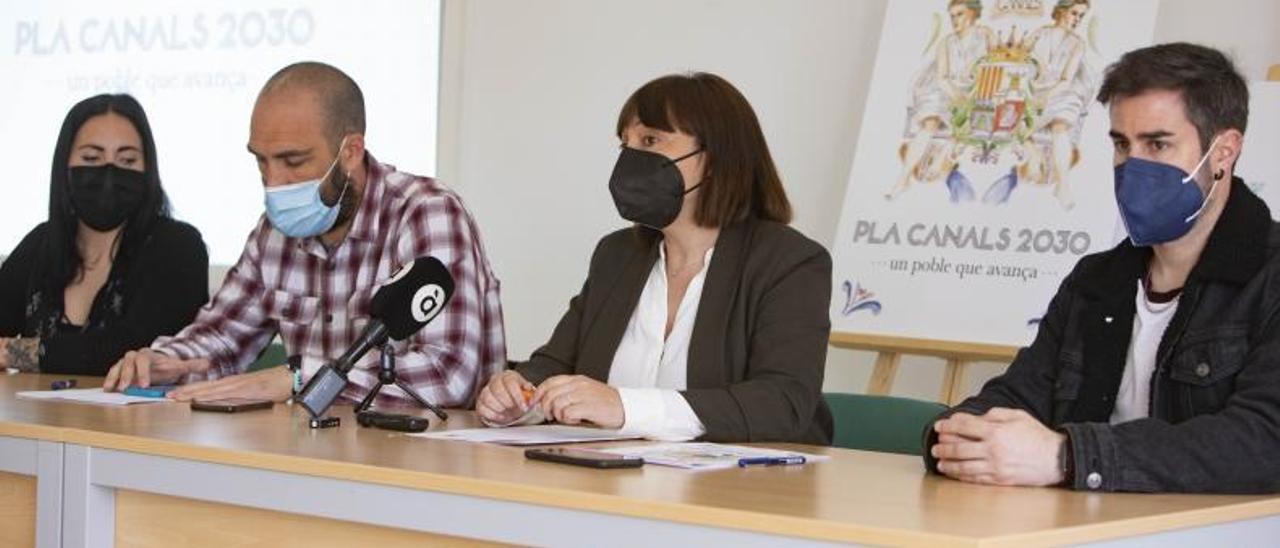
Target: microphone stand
387	375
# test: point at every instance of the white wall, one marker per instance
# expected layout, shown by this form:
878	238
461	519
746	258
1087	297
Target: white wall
1248	30
531	90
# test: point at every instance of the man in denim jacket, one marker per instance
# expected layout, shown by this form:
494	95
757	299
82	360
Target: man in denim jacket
1157	365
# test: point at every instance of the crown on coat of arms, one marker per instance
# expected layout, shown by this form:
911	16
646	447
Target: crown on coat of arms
1013	49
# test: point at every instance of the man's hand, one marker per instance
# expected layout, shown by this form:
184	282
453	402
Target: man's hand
504	398
275	384
1002	447
146	367
575	399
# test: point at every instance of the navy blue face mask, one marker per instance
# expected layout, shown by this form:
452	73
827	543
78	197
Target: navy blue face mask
1158	202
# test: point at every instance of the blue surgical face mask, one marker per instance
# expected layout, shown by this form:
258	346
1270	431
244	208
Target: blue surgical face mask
1158	202
297	209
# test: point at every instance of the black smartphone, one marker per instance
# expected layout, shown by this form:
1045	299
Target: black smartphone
230	405
583	457
392	421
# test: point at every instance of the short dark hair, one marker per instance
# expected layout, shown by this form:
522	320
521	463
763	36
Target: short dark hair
1214	94
63	262
740	179
340	96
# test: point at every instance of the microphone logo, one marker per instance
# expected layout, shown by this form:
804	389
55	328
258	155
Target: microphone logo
427	303
399	274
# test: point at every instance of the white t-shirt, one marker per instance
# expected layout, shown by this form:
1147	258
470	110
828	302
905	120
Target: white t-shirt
1133	400
648	370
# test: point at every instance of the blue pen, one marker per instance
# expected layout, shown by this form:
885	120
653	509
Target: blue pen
149	392
770	461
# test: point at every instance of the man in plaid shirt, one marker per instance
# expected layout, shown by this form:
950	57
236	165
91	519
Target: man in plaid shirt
338	223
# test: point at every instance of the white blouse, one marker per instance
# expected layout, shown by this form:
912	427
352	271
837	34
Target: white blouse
648	371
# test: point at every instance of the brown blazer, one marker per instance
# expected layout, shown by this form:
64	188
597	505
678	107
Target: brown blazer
759	343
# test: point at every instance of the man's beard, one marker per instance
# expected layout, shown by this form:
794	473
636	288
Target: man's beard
347	204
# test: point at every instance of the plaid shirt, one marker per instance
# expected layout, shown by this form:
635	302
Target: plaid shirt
317	299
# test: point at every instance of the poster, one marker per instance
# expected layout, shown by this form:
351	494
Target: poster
196	67
983	170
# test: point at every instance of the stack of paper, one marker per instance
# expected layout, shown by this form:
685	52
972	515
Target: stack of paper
532	416
87	395
544	434
703	456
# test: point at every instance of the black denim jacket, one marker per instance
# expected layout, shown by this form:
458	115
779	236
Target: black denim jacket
1214	421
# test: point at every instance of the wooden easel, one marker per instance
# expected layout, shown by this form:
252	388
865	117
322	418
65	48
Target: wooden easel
890	350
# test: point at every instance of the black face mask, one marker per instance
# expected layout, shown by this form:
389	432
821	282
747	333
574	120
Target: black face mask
104	197
647	187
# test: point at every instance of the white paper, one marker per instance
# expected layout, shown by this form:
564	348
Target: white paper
544	434
531	417
88	395
702	456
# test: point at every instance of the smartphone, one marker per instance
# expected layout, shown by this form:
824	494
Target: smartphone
583	457
392	421
231	405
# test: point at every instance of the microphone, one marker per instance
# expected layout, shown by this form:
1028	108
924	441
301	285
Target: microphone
402	306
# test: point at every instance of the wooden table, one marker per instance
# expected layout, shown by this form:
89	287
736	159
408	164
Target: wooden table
160	475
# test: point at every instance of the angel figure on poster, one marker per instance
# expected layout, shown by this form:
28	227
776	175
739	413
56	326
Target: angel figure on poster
1062	90
944	83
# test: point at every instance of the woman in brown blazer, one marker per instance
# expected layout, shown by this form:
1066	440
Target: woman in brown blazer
708	319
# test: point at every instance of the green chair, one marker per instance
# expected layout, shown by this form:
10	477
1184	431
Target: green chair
881	423
271	356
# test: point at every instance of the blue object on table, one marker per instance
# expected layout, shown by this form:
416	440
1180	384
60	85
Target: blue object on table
150	391
770	461
62	385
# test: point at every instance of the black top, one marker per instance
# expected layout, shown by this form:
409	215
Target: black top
152	291
758	350
1214	423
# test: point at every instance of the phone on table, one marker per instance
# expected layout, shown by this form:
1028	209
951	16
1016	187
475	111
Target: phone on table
392	421
583	457
231	405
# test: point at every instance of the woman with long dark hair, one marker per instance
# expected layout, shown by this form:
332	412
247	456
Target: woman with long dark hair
110	270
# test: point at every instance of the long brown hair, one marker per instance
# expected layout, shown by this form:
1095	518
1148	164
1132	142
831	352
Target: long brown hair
739	178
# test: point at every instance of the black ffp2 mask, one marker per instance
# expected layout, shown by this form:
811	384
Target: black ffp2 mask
104	197
648	188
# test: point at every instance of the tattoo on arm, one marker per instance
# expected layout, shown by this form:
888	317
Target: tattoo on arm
23	354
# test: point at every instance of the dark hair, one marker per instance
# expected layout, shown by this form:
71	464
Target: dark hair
1214	94
62	255
739	178
340	97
